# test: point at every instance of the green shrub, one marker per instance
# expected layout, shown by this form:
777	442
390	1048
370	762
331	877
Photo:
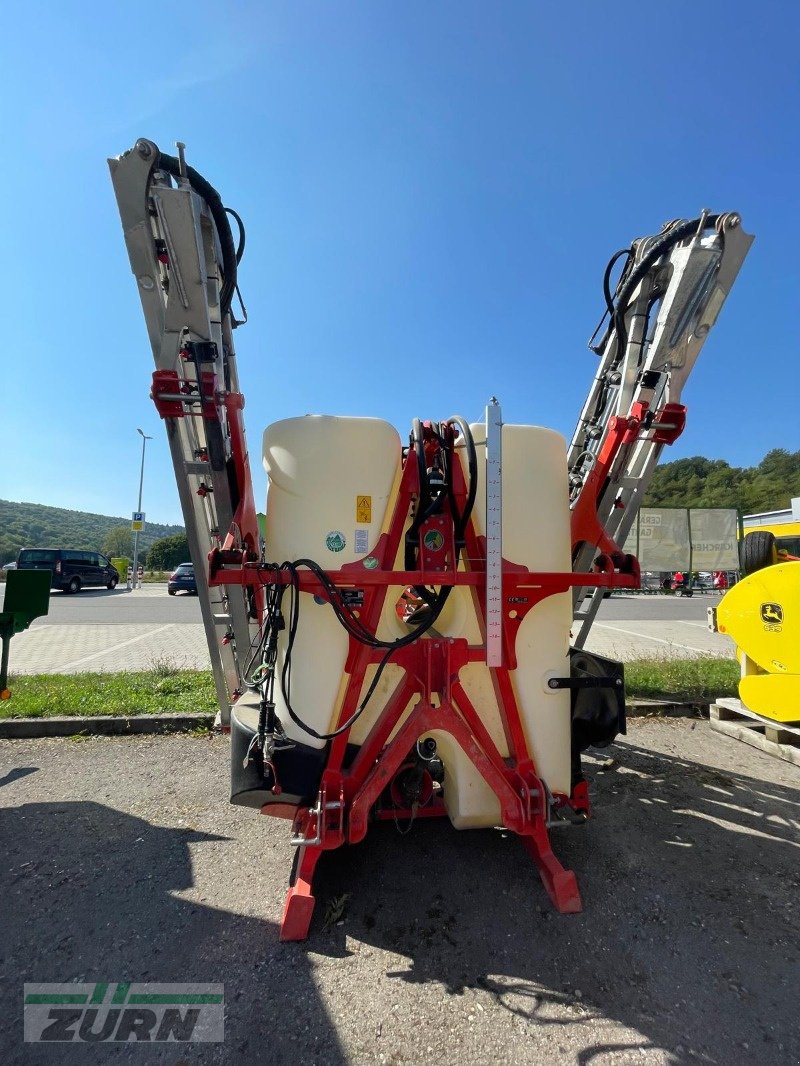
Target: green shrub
121	564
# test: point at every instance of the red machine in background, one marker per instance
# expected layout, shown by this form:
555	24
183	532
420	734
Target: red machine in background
472	704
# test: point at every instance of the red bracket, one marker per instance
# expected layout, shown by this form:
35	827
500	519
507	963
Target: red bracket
167	381
169	389
669	423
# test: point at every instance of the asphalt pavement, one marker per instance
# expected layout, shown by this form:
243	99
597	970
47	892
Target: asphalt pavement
123	861
121	630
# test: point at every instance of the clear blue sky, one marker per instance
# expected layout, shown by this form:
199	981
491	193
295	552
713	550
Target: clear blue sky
431	192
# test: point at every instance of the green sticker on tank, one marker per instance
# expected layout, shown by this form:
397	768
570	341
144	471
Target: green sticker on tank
370	562
335	541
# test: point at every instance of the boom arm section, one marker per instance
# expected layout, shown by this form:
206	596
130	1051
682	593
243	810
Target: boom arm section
668	297
184	260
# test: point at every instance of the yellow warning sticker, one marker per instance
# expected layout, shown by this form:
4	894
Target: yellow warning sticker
363	509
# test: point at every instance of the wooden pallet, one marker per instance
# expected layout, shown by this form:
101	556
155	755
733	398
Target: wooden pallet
775	738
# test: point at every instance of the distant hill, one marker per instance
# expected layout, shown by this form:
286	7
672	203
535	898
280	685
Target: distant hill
32	525
699	482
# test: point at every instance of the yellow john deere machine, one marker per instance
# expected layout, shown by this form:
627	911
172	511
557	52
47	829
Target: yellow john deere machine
761	613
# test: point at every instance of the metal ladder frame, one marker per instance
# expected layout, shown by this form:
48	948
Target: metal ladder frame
176	257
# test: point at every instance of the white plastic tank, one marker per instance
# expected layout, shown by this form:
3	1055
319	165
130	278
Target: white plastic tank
330	480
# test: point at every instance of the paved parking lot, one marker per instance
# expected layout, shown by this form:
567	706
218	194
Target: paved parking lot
122	860
121	630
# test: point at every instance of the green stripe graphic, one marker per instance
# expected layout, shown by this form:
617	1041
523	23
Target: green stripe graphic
122	995
154	997
99	993
55	997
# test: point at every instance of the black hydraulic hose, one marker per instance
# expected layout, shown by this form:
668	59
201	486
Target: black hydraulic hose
424	502
472	470
599	348
422	469
607	278
363	636
242	236
203	188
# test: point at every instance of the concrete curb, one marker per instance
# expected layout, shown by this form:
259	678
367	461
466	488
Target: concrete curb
143	724
103	725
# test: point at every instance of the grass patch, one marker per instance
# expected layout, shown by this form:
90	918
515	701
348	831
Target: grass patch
165	688
681	679
143	692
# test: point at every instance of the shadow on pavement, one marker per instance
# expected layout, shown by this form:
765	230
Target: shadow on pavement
87	896
17	773
689	935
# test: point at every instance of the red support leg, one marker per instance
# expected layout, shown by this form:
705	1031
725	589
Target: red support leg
561	884
299	905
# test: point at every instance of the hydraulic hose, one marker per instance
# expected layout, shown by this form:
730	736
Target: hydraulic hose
472	470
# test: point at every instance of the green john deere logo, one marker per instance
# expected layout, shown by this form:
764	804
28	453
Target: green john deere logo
433	540
335	541
772	614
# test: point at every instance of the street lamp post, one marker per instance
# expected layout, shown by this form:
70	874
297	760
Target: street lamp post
135	577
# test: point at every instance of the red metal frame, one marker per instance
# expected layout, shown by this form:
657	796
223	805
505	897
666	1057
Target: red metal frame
431	667
666	426
183	394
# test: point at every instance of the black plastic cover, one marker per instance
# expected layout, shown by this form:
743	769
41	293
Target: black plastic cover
299	771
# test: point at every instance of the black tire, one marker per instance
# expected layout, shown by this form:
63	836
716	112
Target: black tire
112	583
74	585
758	551
171	592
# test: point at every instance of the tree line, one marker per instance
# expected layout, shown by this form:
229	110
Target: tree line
163	554
700	482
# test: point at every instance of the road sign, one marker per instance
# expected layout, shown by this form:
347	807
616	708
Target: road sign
137	522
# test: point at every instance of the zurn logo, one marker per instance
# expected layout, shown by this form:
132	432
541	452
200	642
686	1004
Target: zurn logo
107	1012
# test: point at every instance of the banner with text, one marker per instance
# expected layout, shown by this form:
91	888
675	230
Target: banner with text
714	544
676	538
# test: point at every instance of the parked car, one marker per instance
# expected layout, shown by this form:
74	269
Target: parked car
704	582
182	579
70	570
